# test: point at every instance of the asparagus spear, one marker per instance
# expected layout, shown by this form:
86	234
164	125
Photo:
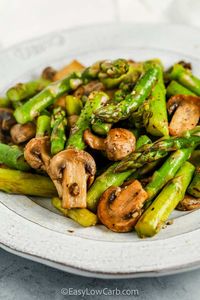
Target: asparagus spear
113	112
32	108
158	212
142	141
13	157
4	102
73	105
120	95
194	187
112	73
18	182
118	71
166	172
22	91
157	150
195	132
94	101
80	215
155	111
175	88
43	126
186	78
100	127
109	178
58	125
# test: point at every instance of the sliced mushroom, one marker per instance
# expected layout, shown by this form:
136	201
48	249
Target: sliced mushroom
120	208
186	115
73	170
7	119
118	144
22	133
90	87
189	203
37	155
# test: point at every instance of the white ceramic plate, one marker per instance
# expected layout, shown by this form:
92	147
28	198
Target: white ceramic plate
31	228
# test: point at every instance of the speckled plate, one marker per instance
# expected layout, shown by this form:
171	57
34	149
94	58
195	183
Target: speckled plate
32	228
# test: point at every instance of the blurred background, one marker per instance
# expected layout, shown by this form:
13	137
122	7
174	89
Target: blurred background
24	19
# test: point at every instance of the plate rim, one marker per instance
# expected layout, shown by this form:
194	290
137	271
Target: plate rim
100	275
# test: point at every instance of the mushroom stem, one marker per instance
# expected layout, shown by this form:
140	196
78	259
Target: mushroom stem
72	171
93	141
118	144
74	185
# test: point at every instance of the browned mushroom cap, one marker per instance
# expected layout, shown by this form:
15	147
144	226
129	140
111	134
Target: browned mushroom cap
73	170
22	133
118	144
189	203
48	73
187	113
36	153
7	119
90	87
120	208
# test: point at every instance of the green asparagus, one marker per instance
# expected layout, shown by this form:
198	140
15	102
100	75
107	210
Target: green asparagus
157	150
18	182
58	125
80	215
153	219
100	127
186	78
155	111
166	172
112	73
22	91
94	101
73	105
33	107
175	88
13	157
113	112
194	187
43	126
111	76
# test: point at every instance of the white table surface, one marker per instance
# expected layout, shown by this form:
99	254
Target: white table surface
25	19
